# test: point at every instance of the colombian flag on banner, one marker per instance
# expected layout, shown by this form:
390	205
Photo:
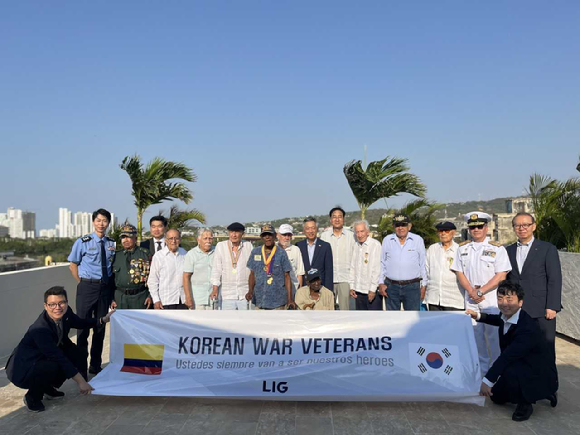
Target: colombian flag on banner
144	359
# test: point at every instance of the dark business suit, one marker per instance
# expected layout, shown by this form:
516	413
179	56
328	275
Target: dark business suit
525	371
39	361
321	260
541	279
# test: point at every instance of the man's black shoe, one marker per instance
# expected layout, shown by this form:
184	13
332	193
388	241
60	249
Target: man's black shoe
553	400
523	412
94	370
33	405
53	394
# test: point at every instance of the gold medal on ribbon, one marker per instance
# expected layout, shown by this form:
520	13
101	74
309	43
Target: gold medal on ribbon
234	270
270	281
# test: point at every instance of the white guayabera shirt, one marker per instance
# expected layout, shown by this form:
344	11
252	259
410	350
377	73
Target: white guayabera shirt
442	286
166	277
365	266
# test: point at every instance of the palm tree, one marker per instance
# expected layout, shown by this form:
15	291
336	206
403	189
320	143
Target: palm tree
556	207
421	212
178	219
381	179
150	183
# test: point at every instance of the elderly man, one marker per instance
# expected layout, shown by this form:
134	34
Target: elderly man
314	296
285	233
197	271
229	269
269	283
342	242
536	267
480	265
46	357
166	277
157	228
131	269
91	261
443	290
316	253
403	267
365	269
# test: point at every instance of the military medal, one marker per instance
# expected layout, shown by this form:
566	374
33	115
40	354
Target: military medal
234	257
136	281
268	263
234	270
366	257
270	280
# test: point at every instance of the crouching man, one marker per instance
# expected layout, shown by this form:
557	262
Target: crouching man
46	357
523	373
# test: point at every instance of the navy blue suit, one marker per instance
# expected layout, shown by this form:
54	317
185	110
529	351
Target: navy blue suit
322	261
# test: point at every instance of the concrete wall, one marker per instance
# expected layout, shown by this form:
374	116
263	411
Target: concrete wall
568	320
22	300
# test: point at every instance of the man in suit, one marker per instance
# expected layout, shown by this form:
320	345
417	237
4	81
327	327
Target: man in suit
522	373
536	267
316	253
46	357
157	228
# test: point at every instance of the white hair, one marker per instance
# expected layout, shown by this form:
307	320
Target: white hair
361	222
201	231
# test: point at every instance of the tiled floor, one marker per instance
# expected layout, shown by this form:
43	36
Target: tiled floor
170	415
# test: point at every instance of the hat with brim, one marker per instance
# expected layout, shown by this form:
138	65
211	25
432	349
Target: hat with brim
312	275
445	226
267	229
236	226
128	231
476	218
401	219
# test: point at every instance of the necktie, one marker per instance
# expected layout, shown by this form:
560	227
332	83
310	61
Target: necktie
104	271
521	251
158	246
59	332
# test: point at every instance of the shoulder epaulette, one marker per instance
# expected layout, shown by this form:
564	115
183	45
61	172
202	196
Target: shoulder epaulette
495	243
465	242
144	250
109	239
86	238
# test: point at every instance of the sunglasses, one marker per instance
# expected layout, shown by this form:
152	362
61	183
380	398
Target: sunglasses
479	227
400	225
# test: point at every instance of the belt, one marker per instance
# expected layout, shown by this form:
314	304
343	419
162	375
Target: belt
411	281
132	291
94	281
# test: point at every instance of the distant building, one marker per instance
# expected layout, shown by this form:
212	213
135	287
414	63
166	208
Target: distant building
48	234
77	225
20	224
519	205
253	231
3	231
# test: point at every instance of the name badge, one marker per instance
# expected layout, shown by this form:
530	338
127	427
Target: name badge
257	258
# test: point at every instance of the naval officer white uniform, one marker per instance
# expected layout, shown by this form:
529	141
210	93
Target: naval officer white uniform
480	265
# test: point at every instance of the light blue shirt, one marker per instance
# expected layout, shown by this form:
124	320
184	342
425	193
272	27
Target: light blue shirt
522	252
86	253
403	262
200	263
311	249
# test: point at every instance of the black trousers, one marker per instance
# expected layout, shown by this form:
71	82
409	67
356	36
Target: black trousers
47	374
93	300
362	302
442	308
508	388
175	307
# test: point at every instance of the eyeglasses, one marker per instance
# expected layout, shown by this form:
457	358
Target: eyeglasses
173	239
400	225
53	305
523	226
479	227
444	231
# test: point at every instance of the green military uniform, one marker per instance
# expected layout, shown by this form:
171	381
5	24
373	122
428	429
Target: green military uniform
131	269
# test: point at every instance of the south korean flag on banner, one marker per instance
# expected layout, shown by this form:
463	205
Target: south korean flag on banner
436	362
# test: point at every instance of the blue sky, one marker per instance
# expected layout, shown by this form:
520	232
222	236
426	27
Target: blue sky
268	100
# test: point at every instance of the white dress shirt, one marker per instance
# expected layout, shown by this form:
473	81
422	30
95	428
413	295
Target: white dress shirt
365	266
166	277
295	257
522	251
234	285
342	247
443	288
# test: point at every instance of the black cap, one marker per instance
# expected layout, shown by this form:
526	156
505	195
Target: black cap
441	226
267	229
312	274
401	218
236	226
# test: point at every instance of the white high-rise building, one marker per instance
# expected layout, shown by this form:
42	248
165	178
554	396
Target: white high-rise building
49	234
78	224
82	223
64	223
21	224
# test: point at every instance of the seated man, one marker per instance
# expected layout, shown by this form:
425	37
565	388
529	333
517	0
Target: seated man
46	357
522	374
314	296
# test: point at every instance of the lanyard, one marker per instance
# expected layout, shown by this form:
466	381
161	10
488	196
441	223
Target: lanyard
268	261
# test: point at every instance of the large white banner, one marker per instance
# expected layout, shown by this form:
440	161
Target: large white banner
293	355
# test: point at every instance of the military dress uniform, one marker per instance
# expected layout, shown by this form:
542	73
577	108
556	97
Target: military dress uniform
479	262
94	257
131	269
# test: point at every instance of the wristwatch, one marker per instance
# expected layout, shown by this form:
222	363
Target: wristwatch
479	293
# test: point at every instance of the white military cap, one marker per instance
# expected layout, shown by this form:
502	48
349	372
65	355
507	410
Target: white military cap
475	218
